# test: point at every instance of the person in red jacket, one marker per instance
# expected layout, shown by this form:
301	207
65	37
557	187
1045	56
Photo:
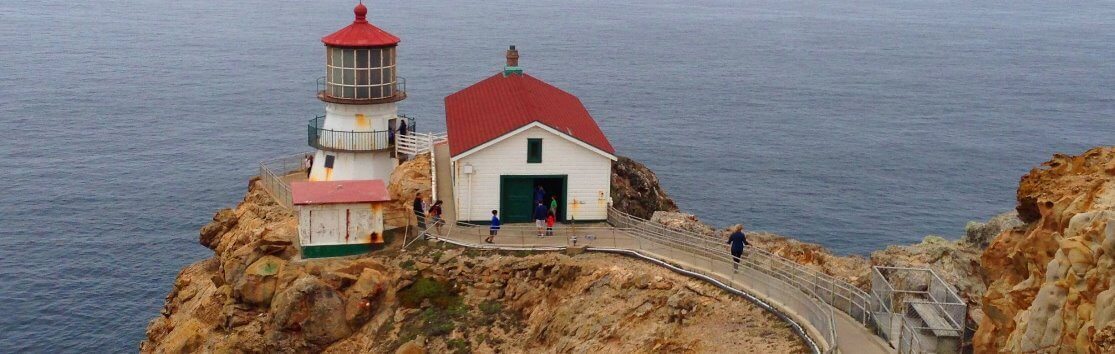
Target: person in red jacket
550	219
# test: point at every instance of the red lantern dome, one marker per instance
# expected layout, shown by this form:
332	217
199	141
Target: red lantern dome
360	34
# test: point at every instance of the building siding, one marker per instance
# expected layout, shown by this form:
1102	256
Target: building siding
356	165
589	175
339	224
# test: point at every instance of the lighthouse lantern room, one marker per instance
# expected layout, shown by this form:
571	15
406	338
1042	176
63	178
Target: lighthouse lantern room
355	139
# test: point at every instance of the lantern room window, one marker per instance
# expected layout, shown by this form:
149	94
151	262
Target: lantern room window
361	74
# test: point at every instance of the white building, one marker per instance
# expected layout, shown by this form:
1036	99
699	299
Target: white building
355	137
339	218
510	134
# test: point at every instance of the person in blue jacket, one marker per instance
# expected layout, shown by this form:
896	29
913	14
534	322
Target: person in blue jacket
737	239
539	194
494	229
540	213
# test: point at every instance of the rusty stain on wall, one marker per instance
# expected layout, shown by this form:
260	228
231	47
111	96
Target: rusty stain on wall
362	121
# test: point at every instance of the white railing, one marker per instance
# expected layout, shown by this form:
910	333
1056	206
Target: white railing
918	310
418	143
791	287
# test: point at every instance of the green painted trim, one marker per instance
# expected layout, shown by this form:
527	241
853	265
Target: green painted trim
563	212
512	70
534	150
323	251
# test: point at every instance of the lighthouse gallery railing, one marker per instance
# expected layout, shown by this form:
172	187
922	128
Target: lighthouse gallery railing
339	140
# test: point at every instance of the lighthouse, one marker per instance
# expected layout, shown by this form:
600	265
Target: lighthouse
355	139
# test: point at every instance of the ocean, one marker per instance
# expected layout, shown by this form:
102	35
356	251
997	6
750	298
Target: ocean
851	123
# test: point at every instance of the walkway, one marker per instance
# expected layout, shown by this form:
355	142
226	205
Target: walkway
444	181
762	277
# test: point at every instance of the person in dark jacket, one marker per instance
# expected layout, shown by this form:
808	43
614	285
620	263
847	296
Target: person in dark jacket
539	194
540	213
419	211
494	229
737	239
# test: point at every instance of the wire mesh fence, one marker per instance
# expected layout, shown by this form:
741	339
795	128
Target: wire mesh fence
273	174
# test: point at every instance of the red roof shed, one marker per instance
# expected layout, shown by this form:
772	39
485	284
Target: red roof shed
360	34
505	102
339	192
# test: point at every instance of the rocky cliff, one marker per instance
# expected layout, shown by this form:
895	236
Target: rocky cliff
253	296
1049	286
636	191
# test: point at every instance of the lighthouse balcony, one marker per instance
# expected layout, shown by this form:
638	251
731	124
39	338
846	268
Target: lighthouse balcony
358	141
362	87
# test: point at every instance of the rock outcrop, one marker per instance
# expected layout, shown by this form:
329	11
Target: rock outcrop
410	178
252	296
1050	281
636	191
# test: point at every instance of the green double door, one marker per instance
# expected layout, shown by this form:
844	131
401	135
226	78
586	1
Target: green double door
516	196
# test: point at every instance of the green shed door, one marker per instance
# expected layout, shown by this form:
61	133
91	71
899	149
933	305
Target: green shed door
515	197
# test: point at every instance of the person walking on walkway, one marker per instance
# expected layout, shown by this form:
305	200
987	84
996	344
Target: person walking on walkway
737	239
494	229
540	217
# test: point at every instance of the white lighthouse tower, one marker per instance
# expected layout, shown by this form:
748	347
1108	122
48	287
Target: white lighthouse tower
355	138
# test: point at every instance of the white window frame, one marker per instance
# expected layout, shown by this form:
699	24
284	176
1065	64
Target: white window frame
336	87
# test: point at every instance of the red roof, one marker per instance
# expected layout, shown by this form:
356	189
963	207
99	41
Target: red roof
337	192
500	104
360	33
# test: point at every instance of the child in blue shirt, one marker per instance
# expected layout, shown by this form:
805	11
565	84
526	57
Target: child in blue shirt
494	229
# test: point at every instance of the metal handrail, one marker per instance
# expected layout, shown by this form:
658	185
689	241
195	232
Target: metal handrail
780	268
339	140
819	316
272	172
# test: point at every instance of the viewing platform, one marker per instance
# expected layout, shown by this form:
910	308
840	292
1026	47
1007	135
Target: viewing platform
353	141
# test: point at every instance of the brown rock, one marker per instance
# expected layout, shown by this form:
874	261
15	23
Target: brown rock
1049	281
636	191
313	308
257	285
223	221
411	347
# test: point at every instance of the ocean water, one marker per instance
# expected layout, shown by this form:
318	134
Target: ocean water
851	123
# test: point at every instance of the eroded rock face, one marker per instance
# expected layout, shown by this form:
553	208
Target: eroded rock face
252	296
311	307
410	178
636	191
1050	282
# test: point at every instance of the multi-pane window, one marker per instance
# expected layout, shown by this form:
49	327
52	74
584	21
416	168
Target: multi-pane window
534	150
360	73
